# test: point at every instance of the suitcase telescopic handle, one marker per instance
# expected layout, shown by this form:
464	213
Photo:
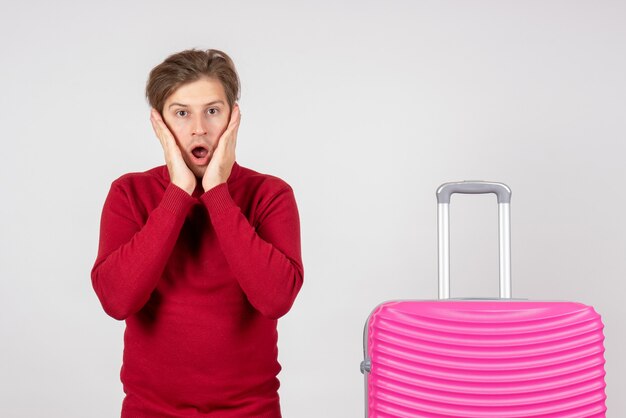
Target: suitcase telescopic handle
503	193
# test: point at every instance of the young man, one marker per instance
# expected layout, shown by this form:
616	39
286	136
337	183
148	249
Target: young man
200	256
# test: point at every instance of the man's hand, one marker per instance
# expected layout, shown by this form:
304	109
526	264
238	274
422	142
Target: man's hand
180	174
223	158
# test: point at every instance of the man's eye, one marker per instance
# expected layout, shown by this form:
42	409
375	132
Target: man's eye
212	111
182	113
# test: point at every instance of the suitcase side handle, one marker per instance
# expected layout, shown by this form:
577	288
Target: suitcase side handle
503	193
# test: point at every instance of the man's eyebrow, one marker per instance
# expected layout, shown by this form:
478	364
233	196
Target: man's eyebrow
206	104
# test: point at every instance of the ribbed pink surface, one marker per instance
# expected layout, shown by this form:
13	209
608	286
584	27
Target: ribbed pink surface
483	359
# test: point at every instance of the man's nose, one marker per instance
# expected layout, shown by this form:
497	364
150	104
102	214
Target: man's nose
199	127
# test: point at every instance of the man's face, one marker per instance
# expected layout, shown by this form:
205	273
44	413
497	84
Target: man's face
197	114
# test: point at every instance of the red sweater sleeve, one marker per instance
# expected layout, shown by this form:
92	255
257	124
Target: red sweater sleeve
266	261
131	256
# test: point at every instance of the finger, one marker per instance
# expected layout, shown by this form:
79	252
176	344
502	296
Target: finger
162	131
154	120
156	114
235	115
233	124
161	124
157	131
235	127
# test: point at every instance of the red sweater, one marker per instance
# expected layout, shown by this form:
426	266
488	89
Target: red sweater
201	281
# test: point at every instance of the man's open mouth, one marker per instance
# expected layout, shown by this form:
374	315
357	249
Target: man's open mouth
199	152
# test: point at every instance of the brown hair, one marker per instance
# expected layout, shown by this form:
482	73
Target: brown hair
188	66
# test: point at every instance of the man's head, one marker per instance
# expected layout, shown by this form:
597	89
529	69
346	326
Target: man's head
188	66
195	92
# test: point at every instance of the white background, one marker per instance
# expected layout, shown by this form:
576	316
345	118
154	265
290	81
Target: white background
364	108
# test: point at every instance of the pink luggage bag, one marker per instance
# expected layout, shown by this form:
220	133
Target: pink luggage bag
481	358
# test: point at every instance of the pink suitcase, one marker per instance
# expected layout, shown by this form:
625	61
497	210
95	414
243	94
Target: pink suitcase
482	358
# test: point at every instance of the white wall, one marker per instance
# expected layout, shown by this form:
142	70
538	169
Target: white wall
364	108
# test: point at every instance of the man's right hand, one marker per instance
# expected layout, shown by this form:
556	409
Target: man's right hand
180	174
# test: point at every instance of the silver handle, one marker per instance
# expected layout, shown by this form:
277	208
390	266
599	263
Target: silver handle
503	192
